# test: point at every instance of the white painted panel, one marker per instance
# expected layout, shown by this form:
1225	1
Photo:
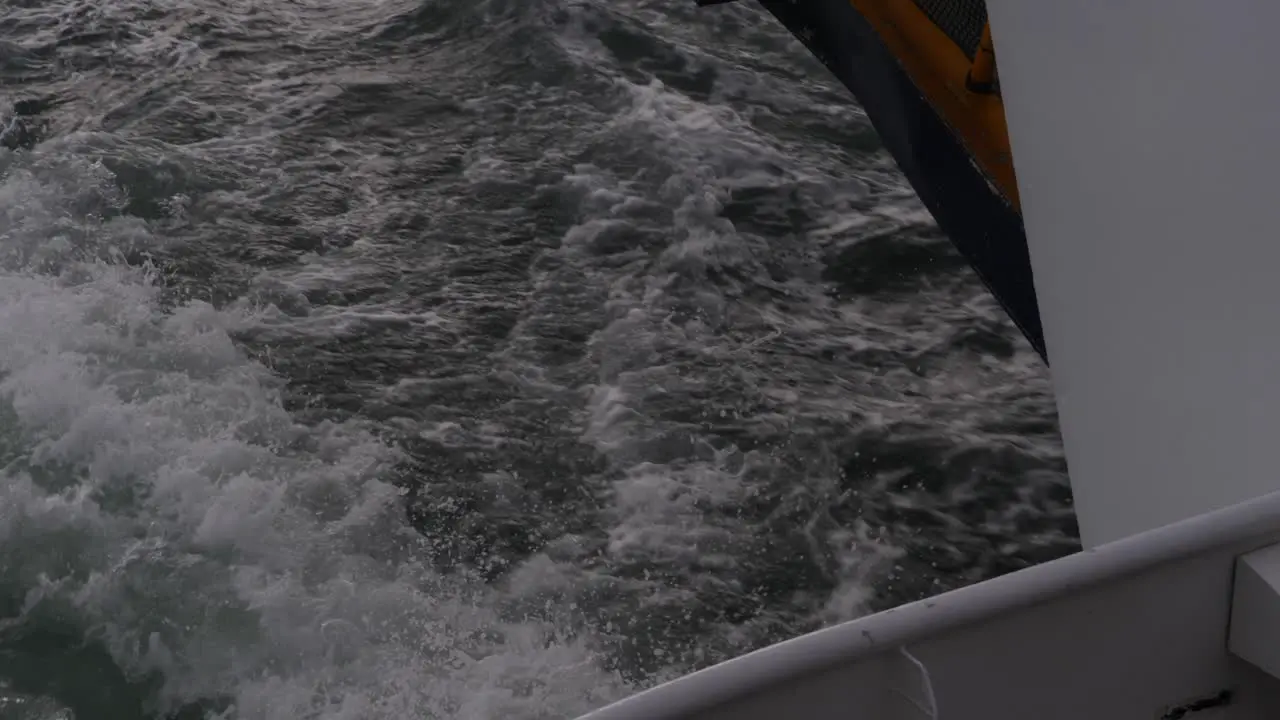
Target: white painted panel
1144	138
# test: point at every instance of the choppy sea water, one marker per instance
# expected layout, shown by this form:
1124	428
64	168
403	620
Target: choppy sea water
470	359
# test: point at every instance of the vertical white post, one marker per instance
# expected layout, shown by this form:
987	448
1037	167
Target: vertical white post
1146	141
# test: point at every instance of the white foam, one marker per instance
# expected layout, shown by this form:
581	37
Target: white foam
160	500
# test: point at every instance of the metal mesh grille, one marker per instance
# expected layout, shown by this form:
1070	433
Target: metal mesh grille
961	20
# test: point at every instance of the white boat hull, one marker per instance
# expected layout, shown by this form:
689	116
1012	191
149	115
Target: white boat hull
1135	629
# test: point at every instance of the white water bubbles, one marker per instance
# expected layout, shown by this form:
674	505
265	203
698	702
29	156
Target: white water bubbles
159	503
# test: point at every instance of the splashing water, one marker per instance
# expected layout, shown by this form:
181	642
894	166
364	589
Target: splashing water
621	306
159	502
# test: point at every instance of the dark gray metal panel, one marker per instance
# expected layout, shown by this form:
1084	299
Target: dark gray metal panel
961	20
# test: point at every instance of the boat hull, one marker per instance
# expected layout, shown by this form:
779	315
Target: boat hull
985	227
1137	628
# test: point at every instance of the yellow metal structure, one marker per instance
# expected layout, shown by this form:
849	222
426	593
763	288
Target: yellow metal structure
982	73
951	82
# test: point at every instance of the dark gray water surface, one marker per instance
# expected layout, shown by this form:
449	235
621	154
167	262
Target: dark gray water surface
470	359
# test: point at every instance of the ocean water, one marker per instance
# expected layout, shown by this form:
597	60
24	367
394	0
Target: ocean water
470	359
